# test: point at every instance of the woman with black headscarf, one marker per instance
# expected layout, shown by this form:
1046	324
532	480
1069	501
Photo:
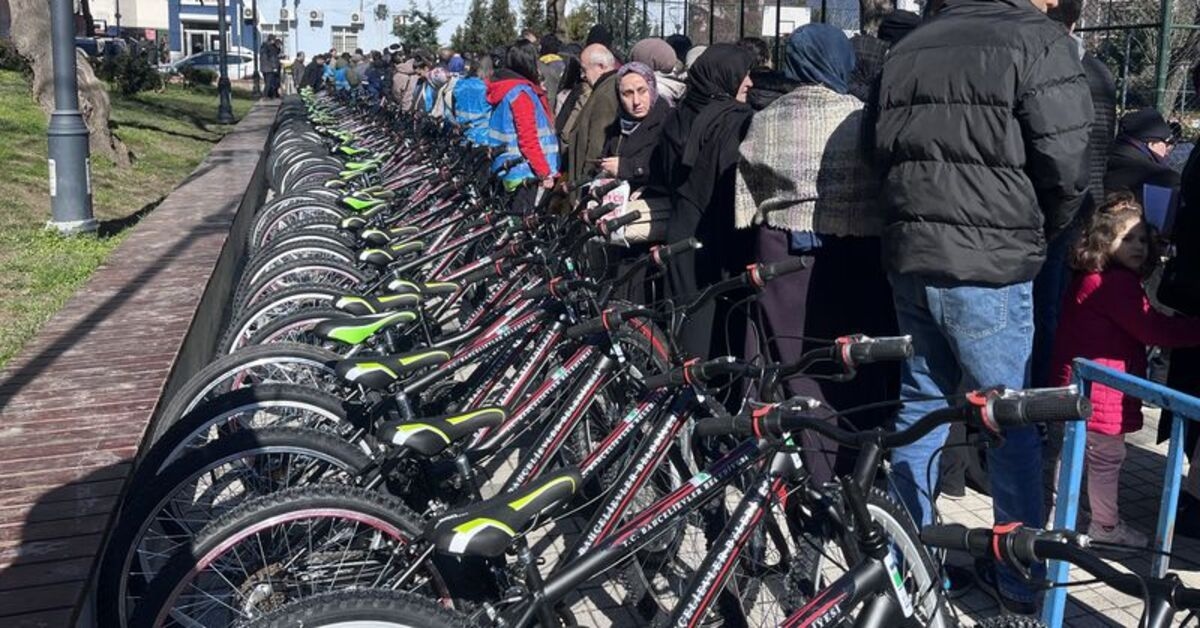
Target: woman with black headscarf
695	165
806	188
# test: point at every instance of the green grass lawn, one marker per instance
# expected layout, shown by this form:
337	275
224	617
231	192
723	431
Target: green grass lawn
169	134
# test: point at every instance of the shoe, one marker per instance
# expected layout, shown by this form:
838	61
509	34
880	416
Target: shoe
985	575
957	581
1120	534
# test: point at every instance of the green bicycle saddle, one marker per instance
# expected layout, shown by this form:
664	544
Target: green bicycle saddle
431	436
379	372
488	528
354	330
361	306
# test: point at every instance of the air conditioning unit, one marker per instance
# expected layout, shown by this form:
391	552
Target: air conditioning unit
316	15
247	14
285	15
356	19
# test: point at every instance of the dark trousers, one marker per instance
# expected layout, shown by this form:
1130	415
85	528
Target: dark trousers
843	290
271	84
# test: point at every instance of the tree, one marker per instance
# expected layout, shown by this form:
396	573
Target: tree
556	17
625	20
419	30
470	36
501	25
533	17
579	21
30	33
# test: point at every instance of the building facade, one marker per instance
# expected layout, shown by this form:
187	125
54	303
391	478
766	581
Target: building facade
134	14
311	26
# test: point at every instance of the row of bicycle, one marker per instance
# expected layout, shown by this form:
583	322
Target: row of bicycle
427	409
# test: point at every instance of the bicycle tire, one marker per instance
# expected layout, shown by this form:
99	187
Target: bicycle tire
362	608
282	363
323	272
270	404
280	218
908	551
277	304
270	258
297	327
217	564
125	566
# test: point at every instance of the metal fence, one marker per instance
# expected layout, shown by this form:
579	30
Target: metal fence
1070	478
1127	35
1149	46
712	21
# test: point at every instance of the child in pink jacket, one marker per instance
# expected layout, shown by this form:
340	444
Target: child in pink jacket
1107	318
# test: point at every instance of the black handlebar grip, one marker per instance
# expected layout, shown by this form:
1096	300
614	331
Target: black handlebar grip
1040	409
673	377
479	274
953	536
721	426
665	252
586	328
609	226
767	272
598	211
881	350
600	191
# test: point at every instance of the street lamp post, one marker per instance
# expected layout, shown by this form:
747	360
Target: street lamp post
256	92
67	135
224	106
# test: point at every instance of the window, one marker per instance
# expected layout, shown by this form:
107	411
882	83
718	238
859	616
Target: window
345	39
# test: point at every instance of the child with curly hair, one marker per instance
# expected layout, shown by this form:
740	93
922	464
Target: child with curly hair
1107	318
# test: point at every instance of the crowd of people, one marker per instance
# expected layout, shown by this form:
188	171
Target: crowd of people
995	208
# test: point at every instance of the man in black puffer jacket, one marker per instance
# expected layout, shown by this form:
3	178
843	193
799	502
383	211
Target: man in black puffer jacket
983	119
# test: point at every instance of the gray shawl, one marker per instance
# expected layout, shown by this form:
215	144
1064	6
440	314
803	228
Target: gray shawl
802	169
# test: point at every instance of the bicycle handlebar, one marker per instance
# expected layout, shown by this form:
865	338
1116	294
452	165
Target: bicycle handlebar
609	320
595	213
993	410
1014	543
850	350
607	227
661	253
696	371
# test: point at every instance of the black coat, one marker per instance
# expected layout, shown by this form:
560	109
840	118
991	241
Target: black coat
768	86
983	121
1104	123
314	74
636	149
1180	289
1129	169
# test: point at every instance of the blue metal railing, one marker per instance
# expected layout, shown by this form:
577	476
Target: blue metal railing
1185	408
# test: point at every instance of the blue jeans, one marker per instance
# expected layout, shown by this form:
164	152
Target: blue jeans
967	337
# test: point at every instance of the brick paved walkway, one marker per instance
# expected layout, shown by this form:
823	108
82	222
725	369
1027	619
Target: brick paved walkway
75	403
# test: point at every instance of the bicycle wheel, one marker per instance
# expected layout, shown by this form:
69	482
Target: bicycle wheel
298	327
278	254
281	363
301	273
278	304
201	486
815	566
287	546
366	608
258	406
